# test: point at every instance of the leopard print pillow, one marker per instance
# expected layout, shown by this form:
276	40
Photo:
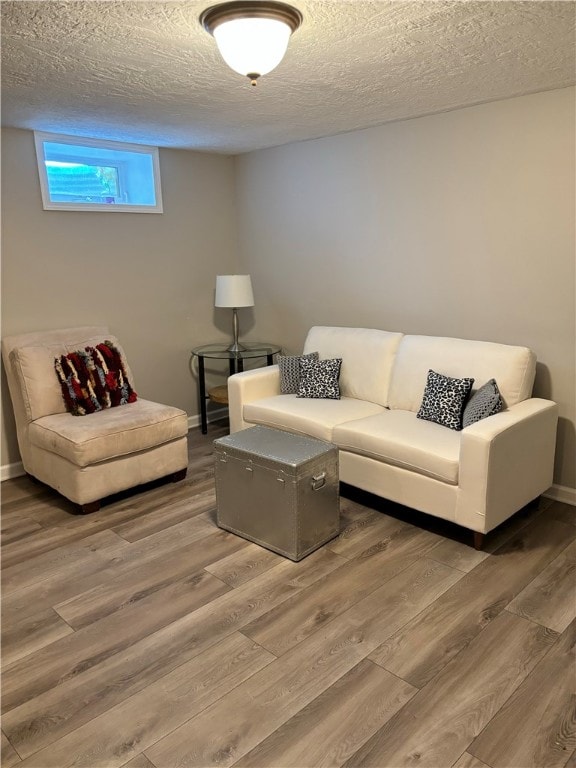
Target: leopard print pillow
319	378
444	400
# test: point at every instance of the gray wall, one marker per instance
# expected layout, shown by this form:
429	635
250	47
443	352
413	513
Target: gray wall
458	224
149	277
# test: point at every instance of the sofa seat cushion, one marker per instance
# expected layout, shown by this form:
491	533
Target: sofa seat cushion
315	417
401	439
108	434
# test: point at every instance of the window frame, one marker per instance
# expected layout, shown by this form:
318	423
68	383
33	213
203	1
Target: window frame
50	205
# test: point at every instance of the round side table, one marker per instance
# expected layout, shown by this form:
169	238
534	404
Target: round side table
219	351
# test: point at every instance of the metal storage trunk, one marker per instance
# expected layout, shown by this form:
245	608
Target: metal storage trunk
278	489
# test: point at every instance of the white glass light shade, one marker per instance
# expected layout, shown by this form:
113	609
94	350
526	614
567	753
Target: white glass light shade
252	46
234	291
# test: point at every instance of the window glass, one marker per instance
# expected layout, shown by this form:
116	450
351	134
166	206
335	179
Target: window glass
89	174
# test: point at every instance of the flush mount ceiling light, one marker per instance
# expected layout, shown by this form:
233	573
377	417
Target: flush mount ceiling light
252	37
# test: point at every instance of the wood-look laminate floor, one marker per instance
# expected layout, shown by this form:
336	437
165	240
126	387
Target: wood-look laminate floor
144	636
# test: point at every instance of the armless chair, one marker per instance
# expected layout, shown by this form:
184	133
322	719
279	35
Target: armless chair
88	457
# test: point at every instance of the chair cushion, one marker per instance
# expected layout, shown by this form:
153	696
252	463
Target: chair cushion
108	434
316	418
401	439
33	366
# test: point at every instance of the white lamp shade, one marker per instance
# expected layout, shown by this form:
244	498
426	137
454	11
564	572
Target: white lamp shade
252	46
234	291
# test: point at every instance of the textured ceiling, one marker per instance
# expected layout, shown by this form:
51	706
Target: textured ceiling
147	72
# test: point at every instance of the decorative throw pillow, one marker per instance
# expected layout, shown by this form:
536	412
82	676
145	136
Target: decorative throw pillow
93	379
444	399
319	378
290	371
484	402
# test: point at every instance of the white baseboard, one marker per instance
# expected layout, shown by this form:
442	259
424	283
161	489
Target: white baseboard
8	471
215	415
561	493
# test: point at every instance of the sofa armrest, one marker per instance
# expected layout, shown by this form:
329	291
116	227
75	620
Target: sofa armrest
249	386
506	461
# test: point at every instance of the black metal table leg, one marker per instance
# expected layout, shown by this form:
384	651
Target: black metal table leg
202	385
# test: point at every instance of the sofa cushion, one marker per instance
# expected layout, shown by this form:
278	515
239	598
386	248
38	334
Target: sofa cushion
444	400
401	439
367	357
108	434
319	378
485	402
512	367
289	366
316	418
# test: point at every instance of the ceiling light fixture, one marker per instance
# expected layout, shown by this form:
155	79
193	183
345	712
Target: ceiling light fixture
252	37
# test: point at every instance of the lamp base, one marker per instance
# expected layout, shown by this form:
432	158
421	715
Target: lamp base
235	347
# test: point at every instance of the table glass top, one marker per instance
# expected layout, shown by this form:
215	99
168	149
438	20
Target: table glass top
220	351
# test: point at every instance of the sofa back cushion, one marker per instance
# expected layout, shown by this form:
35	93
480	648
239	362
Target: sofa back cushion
31	365
513	368
367	357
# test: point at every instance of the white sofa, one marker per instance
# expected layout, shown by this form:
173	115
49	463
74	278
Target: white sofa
477	477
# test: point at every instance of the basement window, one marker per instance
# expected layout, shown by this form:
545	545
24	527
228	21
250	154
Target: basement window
79	174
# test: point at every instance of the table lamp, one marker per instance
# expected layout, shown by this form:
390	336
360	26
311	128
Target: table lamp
234	291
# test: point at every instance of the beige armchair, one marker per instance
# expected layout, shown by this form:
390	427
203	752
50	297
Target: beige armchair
86	458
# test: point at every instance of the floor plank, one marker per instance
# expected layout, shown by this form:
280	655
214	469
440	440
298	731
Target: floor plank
161	517
283	627
242	566
28	678
255	709
537	726
127	589
550	599
161	666
17	529
70	699
157	710
438	723
34	632
333	726
566	513
459	615
469	761
8	755
140	761
70	560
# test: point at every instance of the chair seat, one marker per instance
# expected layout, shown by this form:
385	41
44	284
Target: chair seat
108	434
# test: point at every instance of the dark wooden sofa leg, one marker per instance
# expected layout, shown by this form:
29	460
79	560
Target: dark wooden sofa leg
87	509
180	475
479	540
